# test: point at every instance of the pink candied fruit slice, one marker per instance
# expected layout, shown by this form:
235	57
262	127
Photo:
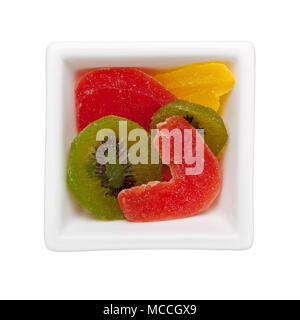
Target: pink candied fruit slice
184	195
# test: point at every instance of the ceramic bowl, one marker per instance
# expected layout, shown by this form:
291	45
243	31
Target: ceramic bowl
228	224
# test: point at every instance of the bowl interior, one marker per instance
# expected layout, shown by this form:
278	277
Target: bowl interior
220	219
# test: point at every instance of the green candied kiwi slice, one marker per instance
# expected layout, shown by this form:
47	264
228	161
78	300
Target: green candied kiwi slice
96	186
200	117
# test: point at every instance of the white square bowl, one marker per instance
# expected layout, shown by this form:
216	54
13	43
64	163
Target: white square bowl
228	224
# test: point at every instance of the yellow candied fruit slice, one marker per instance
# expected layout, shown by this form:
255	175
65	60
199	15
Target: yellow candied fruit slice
201	83
204	97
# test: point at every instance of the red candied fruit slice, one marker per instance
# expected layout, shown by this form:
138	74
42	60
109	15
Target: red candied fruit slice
182	196
123	92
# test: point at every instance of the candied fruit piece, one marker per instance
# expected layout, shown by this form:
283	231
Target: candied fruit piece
96	185
199	117
184	195
201	83
123	92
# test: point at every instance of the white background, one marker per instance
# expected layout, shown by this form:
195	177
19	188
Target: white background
270	269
